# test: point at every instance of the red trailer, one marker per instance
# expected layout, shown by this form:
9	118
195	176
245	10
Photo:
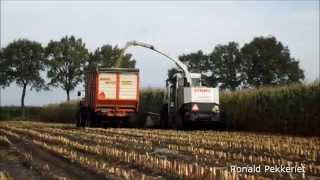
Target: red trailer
111	94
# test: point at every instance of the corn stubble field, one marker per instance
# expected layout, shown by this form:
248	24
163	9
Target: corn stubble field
61	151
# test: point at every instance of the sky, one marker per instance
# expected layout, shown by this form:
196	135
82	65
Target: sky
175	27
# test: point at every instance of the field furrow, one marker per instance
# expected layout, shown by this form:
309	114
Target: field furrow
152	154
180	168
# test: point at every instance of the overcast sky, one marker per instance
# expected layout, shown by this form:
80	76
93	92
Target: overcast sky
174	27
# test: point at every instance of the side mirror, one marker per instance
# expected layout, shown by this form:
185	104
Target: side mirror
185	82
79	93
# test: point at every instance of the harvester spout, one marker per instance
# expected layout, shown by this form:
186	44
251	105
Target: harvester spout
149	46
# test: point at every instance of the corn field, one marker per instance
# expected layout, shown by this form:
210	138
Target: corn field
292	109
151	99
166	154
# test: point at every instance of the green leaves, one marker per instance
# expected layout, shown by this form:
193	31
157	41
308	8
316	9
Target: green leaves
66	60
110	57
5	77
225	61
23	61
267	62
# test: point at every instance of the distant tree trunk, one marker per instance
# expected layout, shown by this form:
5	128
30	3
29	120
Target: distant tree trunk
68	95
22	100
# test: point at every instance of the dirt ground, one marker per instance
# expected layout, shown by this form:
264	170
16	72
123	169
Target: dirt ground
23	160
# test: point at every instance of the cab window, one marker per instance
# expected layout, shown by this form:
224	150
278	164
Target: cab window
196	81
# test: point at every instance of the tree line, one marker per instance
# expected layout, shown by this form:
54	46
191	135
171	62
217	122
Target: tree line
263	61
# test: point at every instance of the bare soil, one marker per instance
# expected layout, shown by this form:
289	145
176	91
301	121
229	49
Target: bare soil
42	164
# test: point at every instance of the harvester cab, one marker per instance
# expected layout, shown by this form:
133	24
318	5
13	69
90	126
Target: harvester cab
186	105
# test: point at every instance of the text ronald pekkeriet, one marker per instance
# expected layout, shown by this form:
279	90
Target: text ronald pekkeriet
267	169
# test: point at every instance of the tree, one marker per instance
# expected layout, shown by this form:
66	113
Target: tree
23	60
5	79
265	61
66	60
225	63
196	62
108	56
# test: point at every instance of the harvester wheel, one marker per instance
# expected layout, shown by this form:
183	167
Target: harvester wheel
178	121
164	116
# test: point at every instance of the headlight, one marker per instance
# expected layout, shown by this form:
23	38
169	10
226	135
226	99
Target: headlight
215	109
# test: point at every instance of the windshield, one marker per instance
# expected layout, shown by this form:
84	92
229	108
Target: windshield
196	81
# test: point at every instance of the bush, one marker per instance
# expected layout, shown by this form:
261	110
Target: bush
62	113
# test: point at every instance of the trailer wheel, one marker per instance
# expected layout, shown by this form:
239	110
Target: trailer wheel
81	118
78	118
